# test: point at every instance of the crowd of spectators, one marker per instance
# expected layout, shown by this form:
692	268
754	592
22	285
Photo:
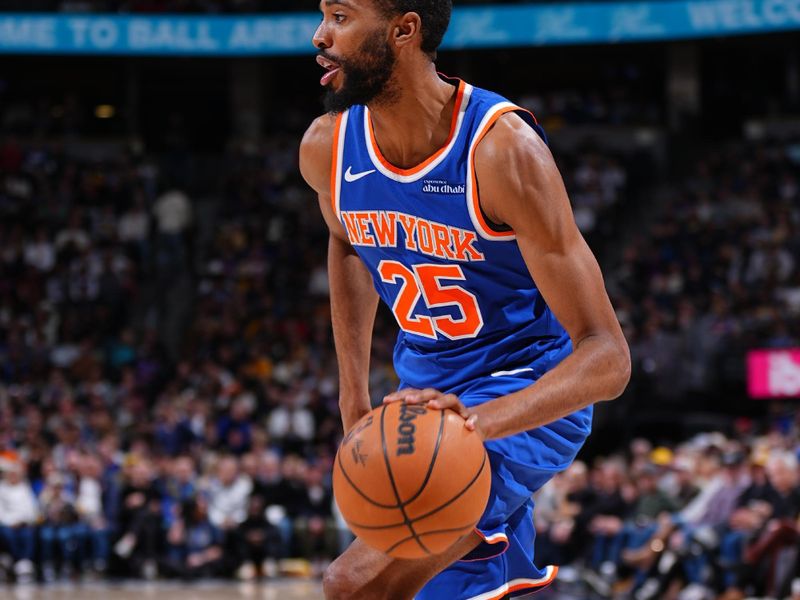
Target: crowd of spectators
611	104
168	395
716	273
713	517
130	450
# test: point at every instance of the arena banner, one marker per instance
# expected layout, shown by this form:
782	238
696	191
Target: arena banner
473	27
773	373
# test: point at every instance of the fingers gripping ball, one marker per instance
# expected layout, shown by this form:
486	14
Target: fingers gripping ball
411	481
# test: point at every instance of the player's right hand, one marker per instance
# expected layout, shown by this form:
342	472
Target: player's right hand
436	400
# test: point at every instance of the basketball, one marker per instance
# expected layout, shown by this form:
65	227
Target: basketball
411	481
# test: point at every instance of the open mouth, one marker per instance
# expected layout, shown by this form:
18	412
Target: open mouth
331	67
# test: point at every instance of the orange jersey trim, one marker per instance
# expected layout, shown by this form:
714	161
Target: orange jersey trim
335	162
525	110
430	159
476	205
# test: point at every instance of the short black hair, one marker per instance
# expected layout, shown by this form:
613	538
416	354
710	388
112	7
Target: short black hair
435	16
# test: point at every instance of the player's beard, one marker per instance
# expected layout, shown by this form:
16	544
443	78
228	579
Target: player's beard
367	77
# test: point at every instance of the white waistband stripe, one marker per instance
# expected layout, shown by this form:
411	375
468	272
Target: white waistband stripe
514	372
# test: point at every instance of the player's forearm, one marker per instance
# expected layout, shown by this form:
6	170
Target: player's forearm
353	305
598	369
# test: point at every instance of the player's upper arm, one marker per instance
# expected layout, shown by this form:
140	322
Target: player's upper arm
316	158
520	186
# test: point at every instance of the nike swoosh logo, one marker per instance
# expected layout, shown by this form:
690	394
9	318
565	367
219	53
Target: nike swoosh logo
350	177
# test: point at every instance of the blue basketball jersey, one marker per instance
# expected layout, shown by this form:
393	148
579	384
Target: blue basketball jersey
457	284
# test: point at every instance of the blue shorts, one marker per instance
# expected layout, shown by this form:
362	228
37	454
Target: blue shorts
502	566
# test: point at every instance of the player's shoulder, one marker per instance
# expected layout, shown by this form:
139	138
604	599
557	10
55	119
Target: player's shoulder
316	150
510	137
514	167
321	131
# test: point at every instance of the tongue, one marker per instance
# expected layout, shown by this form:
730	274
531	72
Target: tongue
326	79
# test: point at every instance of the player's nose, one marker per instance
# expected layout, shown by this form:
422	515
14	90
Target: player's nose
321	37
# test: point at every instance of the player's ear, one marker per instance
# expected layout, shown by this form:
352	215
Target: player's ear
407	29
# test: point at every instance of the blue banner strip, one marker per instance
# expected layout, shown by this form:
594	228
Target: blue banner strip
473	27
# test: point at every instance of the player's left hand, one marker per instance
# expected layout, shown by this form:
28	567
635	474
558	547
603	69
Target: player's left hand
436	400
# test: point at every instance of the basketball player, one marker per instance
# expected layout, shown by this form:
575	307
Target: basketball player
445	199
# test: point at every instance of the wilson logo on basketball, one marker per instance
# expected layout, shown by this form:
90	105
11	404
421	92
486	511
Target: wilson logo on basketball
406	428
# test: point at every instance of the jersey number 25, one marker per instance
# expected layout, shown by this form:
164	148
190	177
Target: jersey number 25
426	281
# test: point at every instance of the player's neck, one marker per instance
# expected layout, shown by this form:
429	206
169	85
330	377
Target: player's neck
417	121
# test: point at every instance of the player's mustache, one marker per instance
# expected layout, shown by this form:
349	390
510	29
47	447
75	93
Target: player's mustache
339	61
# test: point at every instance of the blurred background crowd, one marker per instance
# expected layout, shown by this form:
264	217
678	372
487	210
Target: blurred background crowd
168	404
712	517
168	393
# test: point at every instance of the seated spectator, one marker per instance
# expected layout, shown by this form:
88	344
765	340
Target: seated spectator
195	546
179	486
315	528
235	430
172	436
228	494
139	523
291	424
680	484
19	513
60	528
570	490
276	494
93	524
649	517
603	518
269	482
771	554
259	542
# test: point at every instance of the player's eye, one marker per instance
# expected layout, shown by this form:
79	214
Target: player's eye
338	17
